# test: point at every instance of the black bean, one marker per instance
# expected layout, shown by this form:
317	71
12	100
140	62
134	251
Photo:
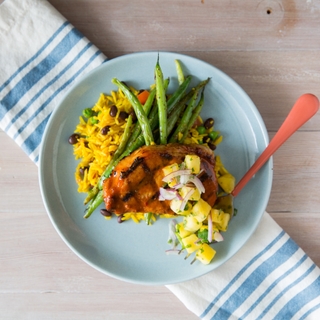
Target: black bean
106	213
212	146
209	123
82	170
120	218
123	115
113	111
105	130
206	139
73	139
134	116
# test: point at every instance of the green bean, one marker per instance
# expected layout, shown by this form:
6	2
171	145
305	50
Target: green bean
139	140
147	108
138	109
177	96
119	151
179	71
176	113
185	118
162	103
148	217
194	116
94	204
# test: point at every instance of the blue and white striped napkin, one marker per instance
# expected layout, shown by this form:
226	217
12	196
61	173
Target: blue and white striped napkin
41	56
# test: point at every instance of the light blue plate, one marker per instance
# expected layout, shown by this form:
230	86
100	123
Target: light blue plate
136	252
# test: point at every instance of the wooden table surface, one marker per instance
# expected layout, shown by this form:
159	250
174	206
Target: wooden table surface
271	48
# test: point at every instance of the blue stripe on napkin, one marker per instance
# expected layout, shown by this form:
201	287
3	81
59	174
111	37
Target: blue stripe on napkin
255	279
273	285
33	141
34	56
316	307
40	70
51	82
31	92
305	295
299	280
235	279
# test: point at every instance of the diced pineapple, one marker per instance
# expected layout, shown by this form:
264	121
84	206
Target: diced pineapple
225	203
201	210
191	243
182	231
205	254
175	206
190	223
195	195
216	216
193	163
227	182
225	222
169	169
220	219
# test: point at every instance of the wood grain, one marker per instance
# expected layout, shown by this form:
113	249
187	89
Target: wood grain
271	48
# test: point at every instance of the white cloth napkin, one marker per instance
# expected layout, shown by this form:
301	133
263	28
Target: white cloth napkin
41	56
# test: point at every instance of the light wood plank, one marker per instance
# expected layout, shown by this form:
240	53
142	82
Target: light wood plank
273	55
196	25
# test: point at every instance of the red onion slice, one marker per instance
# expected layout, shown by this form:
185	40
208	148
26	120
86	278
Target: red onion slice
186	199
218	237
197	182
166	194
174	174
209	228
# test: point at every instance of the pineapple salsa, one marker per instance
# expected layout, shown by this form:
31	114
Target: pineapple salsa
201	224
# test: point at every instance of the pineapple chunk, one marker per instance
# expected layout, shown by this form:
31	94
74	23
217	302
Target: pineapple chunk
225	222
182	231
190	223
195	195
216	216
175	205
193	163
227	182
205	254
191	243
220	219
201	210
169	169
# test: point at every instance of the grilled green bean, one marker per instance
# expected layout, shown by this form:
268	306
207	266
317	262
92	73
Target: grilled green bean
177	96
179	71
162	103
119	151
185	118
138	109
94	204
147	108
194	116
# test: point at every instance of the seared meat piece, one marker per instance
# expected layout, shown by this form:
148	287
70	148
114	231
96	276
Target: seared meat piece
134	184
